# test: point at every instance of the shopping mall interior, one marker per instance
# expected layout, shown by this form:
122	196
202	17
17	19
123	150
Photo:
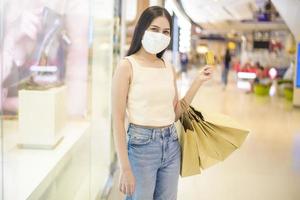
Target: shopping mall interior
57	60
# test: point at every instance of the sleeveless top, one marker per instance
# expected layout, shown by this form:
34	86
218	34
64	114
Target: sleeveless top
151	94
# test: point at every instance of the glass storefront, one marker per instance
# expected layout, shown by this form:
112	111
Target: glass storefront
57	59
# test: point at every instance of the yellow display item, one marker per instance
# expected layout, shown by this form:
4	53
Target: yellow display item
210	58
231	45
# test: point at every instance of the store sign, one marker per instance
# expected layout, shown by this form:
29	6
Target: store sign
298	67
261	40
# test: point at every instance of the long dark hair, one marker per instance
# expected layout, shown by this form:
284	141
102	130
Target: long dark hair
143	23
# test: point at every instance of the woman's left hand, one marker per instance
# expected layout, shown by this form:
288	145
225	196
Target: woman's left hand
205	74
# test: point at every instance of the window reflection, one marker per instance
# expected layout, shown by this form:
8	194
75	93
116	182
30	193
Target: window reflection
45	45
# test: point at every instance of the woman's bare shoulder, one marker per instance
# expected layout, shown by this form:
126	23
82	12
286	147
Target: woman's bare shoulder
124	68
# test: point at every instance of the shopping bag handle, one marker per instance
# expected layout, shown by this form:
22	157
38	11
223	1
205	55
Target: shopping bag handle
197	113
191	109
185	116
184	104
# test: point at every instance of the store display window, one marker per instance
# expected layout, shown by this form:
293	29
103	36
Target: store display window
56	60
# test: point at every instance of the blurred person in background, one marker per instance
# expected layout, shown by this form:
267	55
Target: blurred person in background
184	61
226	68
261	77
259	71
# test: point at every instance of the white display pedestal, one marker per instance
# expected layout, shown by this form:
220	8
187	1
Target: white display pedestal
42	116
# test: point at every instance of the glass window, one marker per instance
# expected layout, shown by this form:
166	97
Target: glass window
57	59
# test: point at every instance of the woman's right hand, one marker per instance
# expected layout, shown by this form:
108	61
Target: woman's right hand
127	182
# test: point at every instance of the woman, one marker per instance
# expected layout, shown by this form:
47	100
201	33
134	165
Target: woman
145	84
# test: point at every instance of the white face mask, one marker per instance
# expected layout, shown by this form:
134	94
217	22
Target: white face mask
154	42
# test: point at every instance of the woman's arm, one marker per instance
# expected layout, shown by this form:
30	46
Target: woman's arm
204	75
120	87
119	97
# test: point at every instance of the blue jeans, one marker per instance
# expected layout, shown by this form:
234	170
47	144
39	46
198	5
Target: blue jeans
225	75
154	155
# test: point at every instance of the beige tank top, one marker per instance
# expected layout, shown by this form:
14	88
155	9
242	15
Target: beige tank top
151	94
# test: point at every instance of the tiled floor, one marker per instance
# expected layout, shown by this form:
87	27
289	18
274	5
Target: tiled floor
267	167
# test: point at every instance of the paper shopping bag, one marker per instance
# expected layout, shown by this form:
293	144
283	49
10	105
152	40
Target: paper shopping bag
207	139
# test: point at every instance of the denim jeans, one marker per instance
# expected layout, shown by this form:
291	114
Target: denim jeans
225	76
154	155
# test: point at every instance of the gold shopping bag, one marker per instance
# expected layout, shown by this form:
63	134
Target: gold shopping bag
189	153
207	139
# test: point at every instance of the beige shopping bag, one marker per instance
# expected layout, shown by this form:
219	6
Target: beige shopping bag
207	139
189	154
